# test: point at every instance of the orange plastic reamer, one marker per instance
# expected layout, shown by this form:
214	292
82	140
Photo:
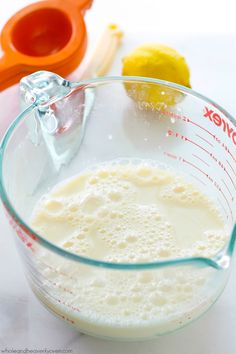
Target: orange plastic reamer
49	35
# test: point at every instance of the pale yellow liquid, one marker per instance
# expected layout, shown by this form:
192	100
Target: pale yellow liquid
128	213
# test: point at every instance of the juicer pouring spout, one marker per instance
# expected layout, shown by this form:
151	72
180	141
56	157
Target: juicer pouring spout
82	5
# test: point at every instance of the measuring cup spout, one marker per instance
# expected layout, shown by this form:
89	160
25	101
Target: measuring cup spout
10	73
232	241
223	259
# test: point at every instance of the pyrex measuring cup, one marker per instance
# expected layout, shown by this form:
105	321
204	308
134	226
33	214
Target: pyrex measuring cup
70	126
48	35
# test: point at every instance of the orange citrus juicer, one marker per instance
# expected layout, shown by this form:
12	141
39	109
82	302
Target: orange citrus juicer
49	35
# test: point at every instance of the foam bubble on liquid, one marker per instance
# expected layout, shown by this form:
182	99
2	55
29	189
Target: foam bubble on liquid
129	213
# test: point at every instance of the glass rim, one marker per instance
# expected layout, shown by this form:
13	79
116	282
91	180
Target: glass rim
200	261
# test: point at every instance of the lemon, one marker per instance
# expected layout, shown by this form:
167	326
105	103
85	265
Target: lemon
160	62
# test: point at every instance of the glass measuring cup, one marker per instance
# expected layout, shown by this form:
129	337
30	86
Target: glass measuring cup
48	35
67	127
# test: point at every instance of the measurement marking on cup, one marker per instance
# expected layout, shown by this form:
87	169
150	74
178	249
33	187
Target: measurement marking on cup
223	168
196	167
199	158
58	314
185	138
181	159
60	286
216	138
57	271
231	213
199	126
174	115
194	143
182	137
61	302
232	198
222	206
171	155
229	152
229	177
198	179
205	140
226	172
225	147
231	167
216	185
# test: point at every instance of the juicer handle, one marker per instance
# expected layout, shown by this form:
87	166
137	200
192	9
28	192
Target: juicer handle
104	52
82	5
10	72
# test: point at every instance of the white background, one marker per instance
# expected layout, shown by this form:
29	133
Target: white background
205	33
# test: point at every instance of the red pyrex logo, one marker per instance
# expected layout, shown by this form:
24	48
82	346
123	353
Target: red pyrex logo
220	122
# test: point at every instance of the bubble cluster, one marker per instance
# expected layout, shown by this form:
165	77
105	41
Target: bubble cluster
183	192
123	213
128	298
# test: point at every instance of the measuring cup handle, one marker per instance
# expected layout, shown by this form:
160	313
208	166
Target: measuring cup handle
10	73
83	5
